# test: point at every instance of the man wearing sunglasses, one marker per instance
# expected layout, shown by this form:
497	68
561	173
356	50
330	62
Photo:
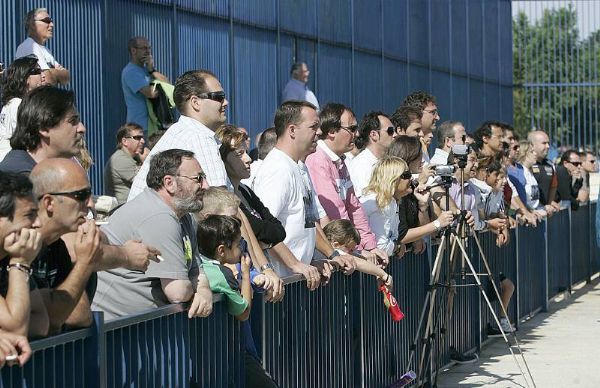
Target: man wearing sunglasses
125	162
570	179
331	178
40	27
377	132
136	78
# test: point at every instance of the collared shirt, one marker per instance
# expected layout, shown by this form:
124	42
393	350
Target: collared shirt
472	200
191	135
361	169
134	78
336	192
45	58
440	157
383	222
298	90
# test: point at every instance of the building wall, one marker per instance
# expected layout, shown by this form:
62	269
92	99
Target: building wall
365	53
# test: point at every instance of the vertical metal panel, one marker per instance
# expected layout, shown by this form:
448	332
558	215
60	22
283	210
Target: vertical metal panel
395	28
334	75
440	88
255	56
580	251
287	57
460	33
440	35
476	34
367	73
477	107
395	84
367	24
335	20
306	51
458	108
418	78
418	45
299	16
204	44
11	30
492	56
256	12
209	7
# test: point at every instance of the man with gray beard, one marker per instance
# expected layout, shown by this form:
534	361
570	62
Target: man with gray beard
160	214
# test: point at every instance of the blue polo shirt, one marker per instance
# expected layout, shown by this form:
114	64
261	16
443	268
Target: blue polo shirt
134	78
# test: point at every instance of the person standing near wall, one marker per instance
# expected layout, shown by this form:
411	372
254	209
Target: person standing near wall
40	27
297	88
136	78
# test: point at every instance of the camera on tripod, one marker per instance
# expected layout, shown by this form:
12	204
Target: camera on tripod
460	153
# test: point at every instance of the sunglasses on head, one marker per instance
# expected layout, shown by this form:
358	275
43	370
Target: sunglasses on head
136	137
82	195
46	20
215	96
35	71
406	175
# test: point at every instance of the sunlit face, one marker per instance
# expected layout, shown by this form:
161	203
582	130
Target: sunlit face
134	142
386	133
573	164
494	142
540	144
35	79
509	137
237	163
589	165
42	28
430	118
64	140
459	133
413	130
210	112
302	73
403	188
492	179
343	139
307	132
25	216
190	189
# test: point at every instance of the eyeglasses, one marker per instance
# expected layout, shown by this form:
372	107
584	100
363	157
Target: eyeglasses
136	137
46	20
82	195
576	164
198	178
35	71
390	131
406	175
351	129
433	112
215	96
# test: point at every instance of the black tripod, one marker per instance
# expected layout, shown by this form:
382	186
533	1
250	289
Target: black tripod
428	330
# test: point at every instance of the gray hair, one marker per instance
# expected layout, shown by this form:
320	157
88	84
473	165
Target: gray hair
446	131
30	17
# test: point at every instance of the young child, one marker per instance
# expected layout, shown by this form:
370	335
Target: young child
344	237
219	240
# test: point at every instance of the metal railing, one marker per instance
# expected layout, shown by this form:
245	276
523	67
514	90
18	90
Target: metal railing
339	335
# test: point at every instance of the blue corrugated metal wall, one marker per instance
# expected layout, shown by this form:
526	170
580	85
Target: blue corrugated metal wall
365	53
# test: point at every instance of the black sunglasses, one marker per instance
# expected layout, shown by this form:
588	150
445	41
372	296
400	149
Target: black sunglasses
406	175
198	178
46	20
351	129
136	137
82	195
35	71
576	164
215	96
390	131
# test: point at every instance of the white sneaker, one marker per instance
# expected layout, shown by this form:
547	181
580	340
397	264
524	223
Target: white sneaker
506	326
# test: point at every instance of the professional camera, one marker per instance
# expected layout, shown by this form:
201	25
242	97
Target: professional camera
460	152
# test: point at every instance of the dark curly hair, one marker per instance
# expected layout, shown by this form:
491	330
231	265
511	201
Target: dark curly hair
13	186
370	122
14	83
419	99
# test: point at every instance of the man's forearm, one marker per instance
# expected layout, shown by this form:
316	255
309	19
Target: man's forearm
15	318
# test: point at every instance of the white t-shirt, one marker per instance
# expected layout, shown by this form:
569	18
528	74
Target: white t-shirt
383	222
8	118
361	169
531	189
45	58
280	185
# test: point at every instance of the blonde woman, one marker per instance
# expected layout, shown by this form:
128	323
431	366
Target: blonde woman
389	182
528	157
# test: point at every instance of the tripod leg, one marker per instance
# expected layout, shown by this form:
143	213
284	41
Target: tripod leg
489	304
504	310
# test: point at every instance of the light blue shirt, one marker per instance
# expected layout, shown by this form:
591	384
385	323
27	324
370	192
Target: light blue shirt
297	90
134	78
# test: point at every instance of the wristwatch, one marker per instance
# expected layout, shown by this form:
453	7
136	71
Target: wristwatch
334	254
438	225
265	267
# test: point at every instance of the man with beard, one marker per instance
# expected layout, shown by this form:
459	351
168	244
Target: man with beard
159	215
331	178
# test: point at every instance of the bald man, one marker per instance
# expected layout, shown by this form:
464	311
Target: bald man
544	171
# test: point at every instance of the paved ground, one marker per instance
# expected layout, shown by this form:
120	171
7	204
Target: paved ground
562	348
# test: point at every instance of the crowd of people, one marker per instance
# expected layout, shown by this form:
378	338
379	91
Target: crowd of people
197	215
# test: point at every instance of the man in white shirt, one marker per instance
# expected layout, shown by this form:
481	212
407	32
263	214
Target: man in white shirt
201	100
40	26
377	132
448	134
281	187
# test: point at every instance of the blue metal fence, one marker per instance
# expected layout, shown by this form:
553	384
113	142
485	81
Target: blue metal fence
340	335
368	54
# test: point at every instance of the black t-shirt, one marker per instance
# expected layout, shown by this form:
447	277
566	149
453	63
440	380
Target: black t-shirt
408	213
545	176
267	228
18	161
49	269
567	189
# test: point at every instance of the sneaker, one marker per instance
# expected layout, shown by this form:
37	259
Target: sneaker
462	358
506	326
493	332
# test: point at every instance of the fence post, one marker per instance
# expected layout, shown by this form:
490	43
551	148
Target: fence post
95	356
570	288
546	280
517	275
592	242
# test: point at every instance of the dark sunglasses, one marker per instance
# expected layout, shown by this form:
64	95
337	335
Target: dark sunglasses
136	137
82	195
215	96
576	164
351	129
35	71
201	177
406	175
46	20
390	131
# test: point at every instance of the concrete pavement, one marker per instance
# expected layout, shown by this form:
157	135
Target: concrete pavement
562	348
